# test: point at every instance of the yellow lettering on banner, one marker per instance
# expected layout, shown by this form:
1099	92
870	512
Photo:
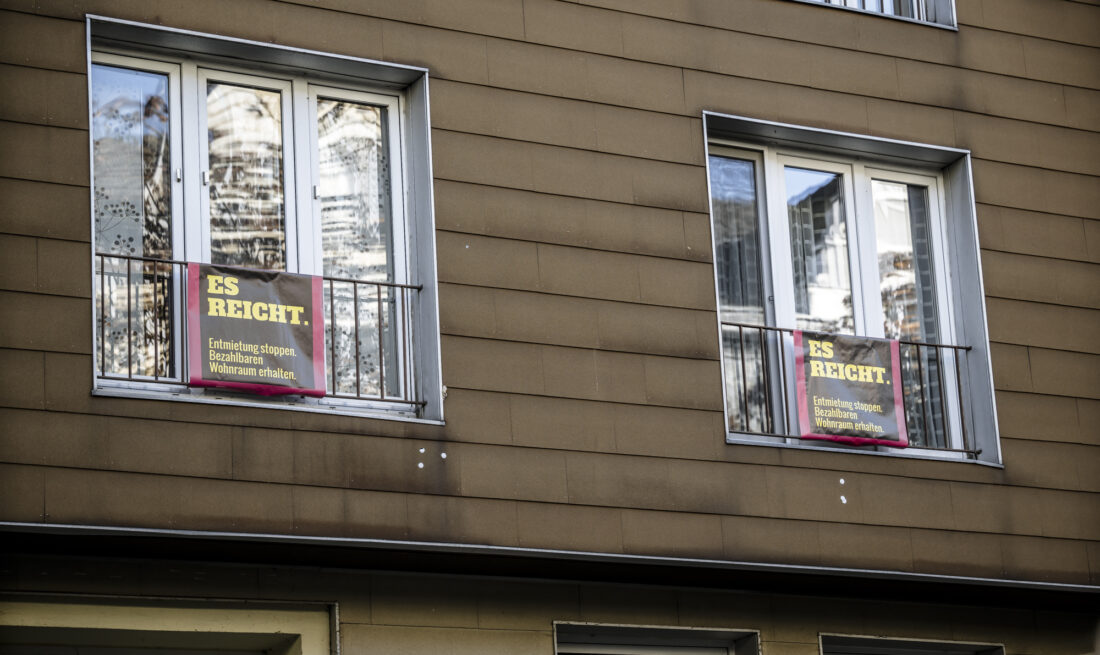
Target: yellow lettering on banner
255	311
821	348
850	372
246	309
221	285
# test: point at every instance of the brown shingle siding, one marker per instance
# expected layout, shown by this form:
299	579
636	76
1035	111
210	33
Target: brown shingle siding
577	301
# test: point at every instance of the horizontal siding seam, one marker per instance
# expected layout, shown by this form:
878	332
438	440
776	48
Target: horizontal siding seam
711	312
627	253
45	126
986	203
41	181
682	162
48	294
1021	253
1046	303
84	242
1046	442
595	151
289	486
671	458
439	177
1082	353
599	349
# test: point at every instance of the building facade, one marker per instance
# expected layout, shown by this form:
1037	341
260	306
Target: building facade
574	273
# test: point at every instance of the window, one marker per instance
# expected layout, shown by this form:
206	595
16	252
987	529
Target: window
935	12
40	625
842	234
850	645
243	154
611	639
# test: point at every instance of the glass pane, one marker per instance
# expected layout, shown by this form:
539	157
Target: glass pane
738	240
247	205
130	151
354	189
133	220
900	8
135	303
356	364
938	11
357	244
904	248
738	243
819	250
903	244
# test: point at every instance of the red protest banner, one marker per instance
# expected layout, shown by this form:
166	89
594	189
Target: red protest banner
849	389
256	331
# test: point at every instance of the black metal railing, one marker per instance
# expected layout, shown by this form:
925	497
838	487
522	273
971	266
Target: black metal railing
141	329
760	390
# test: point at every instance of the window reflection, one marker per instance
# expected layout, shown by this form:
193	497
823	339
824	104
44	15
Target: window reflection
133	219
356	225
904	248
131	162
819	250
739	261
247	206
357	243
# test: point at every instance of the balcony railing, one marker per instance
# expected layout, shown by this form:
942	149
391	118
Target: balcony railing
760	389
141	330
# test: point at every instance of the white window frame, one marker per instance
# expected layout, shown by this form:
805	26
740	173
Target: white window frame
199	76
920	11
176	158
392	104
190	59
862	159
779	232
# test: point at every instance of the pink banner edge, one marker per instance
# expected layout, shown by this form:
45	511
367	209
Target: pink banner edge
194	337
803	402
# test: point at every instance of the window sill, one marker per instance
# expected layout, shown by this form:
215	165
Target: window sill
746	439
185	395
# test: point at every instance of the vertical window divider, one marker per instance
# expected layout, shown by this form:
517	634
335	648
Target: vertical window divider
865	252
194	239
282	86
779	235
306	206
